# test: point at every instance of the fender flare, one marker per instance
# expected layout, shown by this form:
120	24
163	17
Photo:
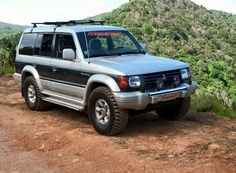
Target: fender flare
102	79
33	71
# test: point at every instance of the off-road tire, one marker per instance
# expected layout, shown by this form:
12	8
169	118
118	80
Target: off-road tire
176	111
118	118
39	104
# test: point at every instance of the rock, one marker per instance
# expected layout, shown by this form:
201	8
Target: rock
11	82
59	154
75	160
42	148
171	156
214	146
42	133
165	137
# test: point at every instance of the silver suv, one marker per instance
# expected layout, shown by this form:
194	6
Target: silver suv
85	65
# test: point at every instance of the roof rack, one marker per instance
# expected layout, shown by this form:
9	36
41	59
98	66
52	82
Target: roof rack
71	23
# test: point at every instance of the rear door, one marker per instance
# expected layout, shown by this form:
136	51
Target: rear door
42	55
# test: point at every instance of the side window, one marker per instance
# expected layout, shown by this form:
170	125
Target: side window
43	45
27	44
63	41
37	48
46	46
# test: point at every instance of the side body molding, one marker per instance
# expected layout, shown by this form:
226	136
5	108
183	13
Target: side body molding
33	71
102	79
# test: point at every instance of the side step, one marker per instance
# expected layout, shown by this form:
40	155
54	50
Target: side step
66	101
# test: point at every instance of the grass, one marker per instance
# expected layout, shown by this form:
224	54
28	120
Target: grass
202	102
7	70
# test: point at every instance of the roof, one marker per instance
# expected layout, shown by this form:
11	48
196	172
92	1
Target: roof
74	28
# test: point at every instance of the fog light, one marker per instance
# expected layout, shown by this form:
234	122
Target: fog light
176	81
159	83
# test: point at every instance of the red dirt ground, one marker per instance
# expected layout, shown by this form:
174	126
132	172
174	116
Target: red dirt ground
61	140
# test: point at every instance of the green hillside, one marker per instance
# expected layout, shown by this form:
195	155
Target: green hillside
182	30
9	37
7	29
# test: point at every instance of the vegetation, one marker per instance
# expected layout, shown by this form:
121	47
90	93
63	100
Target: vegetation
9	38
8	29
7	53
185	31
181	30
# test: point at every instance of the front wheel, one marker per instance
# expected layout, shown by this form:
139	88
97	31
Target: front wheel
104	112
176	111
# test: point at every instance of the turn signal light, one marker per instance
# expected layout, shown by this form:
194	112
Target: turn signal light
123	82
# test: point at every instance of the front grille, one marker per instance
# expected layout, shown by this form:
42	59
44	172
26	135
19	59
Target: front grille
150	80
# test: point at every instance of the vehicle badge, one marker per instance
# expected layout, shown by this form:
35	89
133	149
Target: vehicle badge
164	77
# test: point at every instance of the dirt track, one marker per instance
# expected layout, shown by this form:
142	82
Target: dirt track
62	140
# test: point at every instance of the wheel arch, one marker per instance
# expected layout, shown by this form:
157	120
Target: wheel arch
31	71
97	81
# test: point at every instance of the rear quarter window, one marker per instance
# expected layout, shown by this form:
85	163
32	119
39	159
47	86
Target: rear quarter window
27	44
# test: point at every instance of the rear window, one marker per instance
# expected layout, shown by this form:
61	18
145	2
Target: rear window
27	44
36	44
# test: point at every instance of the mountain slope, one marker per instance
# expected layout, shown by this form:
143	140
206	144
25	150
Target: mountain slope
7	29
183	30
8	25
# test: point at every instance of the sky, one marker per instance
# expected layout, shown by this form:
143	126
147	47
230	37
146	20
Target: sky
222	5
25	12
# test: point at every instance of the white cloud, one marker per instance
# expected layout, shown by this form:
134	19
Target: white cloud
222	5
27	11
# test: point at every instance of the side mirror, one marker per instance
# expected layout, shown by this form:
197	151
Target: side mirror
144	46
68	54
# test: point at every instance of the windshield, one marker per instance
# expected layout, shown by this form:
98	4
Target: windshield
108	43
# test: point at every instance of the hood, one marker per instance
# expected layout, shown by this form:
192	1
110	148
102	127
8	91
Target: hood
137	64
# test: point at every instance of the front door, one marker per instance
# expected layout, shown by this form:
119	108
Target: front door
65	73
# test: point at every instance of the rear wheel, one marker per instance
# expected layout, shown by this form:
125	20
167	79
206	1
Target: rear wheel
175	111
104	112
32	95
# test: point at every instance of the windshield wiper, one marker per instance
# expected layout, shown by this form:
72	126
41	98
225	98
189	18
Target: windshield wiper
127	53
98	55
140	52
117	54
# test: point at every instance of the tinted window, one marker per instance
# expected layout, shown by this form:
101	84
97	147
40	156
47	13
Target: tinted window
37	48
63	42
83	44
27	44
46	45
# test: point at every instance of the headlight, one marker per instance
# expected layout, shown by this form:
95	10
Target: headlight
185	73
134	81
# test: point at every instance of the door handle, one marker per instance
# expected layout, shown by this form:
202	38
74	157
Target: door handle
34	65
54	69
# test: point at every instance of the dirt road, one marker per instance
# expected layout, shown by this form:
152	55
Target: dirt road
62	140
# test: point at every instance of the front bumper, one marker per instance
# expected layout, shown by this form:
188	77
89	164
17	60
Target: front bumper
139	101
